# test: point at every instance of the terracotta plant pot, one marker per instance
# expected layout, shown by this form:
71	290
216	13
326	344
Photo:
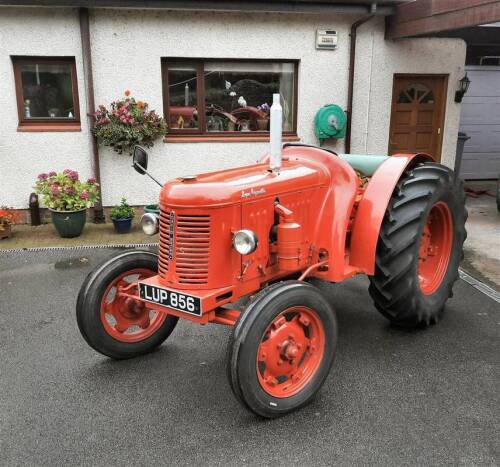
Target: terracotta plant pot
6	231
122	225
69	224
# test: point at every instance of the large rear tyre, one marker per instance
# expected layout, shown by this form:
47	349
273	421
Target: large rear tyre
282	349
118	326
420	247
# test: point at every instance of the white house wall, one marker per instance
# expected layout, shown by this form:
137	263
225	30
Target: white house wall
127	47
44	32
377	60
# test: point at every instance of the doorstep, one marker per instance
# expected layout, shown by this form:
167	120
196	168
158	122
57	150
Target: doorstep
45	236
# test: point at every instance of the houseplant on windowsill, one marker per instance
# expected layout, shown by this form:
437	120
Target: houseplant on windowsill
126	123
122	215
68	198
6	221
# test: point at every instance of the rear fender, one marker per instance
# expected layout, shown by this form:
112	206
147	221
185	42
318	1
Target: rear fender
372	207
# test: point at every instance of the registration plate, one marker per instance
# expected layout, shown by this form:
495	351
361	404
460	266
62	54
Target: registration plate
170	298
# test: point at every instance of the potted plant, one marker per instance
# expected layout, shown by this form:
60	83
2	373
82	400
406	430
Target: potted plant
6	221
122	215
152	209
68	198
126	123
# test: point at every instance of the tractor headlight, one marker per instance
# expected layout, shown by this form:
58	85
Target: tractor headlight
150	223
245	242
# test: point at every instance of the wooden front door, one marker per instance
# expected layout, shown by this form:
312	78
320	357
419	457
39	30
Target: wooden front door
418	104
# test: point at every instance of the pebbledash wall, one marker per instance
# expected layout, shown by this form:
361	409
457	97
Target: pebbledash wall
127	46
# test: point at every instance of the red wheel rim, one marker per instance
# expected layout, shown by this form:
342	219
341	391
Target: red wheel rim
435	248
126	319
290	351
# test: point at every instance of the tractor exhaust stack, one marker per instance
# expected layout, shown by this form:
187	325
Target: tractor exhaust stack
275	133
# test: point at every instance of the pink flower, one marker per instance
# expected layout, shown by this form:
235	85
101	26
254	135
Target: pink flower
69	190
73	175
52	174
42	176
56	190
91	181
67	171
127	93
84	195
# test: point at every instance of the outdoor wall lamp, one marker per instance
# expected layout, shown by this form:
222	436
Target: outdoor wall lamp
464	85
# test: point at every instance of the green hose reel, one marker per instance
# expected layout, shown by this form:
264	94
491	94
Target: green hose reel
330	122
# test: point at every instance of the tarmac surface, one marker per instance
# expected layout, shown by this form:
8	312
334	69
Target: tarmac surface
428	397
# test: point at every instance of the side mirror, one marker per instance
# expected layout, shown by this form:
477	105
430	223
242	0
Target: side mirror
140	160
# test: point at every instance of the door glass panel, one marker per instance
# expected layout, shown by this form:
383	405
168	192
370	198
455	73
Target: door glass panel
404	98
183	103
416	92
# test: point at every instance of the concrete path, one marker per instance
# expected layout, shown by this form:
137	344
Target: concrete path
46	236
482	247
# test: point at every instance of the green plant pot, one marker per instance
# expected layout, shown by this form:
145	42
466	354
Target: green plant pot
152	209
69	224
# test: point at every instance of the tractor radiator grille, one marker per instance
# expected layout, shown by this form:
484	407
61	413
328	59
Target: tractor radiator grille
164	247
191	239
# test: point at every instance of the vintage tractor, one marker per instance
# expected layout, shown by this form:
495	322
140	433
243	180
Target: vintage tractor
254	235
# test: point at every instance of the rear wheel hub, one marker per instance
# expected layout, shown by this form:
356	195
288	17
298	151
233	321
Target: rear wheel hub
435	248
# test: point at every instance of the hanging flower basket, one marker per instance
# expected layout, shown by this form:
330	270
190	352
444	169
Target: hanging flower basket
127	123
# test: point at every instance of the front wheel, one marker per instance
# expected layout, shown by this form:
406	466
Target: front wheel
282	349
420	247
115	324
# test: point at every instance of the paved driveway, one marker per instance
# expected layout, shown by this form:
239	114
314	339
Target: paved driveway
414	398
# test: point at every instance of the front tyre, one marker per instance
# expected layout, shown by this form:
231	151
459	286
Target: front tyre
114	324
420	246
282	349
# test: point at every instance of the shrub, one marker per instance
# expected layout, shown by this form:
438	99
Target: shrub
122	211
65	192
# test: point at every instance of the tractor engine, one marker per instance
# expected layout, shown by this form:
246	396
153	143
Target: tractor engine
240	227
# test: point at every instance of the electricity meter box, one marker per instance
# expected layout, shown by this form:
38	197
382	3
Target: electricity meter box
326	39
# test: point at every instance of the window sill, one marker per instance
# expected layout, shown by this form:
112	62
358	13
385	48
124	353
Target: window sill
35	128
224	139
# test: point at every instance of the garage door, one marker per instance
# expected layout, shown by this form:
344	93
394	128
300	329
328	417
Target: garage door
480	119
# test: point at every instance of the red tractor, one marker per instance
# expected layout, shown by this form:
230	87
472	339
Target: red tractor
255	235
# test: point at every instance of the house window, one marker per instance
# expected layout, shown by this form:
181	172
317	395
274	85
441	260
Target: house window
227	98
47	93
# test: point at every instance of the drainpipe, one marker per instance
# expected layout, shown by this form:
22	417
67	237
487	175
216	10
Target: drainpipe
352	59
89	84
